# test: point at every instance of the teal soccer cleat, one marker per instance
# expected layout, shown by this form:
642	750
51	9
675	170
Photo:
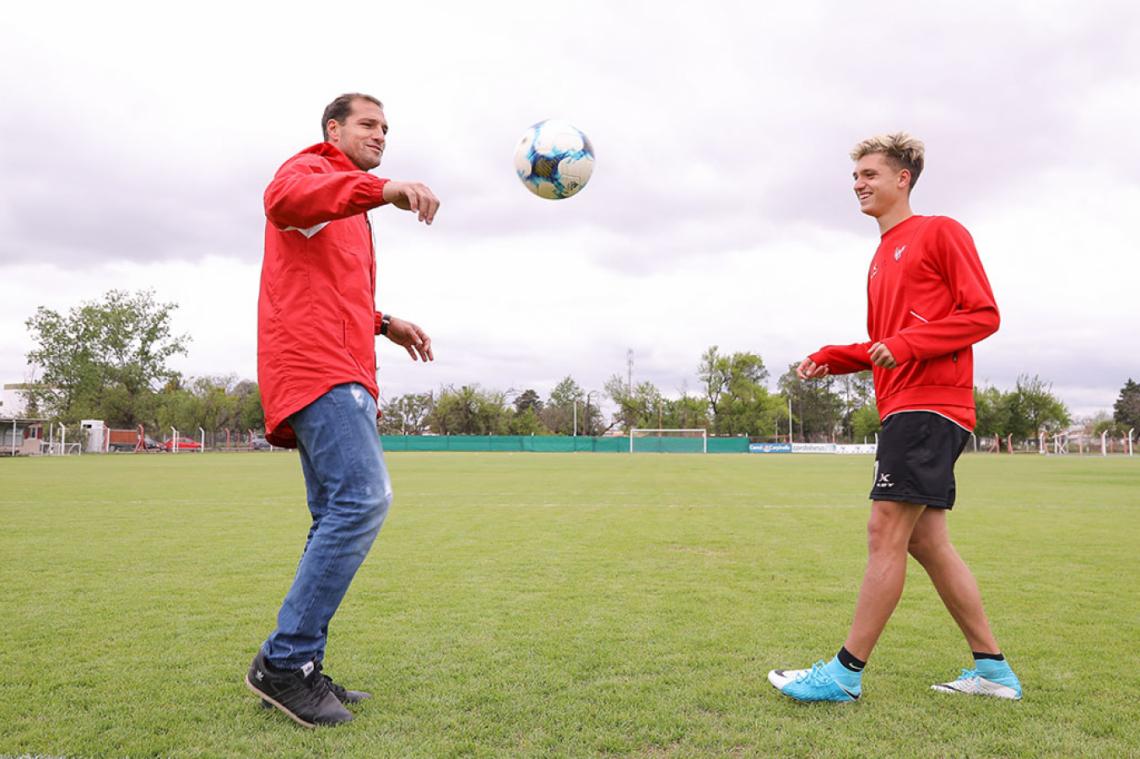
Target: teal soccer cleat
815	684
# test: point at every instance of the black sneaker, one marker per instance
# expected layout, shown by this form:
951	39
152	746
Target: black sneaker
303	694
342	694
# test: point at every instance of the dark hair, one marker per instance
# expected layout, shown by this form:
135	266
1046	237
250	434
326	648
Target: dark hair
339	109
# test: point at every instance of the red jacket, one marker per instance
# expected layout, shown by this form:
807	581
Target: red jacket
928	301
316	313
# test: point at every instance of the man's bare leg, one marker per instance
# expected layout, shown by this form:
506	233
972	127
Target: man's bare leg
930	545
888	536
991	674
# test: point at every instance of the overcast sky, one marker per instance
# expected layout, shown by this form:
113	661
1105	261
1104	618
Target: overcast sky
136	141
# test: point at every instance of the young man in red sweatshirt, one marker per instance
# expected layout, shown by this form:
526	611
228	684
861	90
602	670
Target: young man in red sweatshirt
928	302
316	368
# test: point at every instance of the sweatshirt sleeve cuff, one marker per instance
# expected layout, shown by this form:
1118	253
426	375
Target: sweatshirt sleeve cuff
900	349
376	323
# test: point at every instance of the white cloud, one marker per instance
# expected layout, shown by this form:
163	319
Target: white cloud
720	211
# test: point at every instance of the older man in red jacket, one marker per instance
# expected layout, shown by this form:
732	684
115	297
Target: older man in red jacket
316	362
928	302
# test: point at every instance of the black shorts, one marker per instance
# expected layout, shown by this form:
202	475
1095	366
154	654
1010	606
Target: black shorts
915	459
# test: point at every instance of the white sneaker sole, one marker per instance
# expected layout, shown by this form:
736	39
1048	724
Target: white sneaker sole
978	686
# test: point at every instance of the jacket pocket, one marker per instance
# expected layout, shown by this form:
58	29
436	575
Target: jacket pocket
942	370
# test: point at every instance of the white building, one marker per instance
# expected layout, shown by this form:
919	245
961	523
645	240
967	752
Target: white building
12	401
18	434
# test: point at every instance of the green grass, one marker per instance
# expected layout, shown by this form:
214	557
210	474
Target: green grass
559	605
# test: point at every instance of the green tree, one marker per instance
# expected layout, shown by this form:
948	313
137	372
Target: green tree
528	399
104	359
176	407
216	404
248	414
470	410
857	392
558	412
865	423
406	415
1033	408
687	412
818	411
736	392
526	422
569	401
640	406
1100	422
1126	410
992	407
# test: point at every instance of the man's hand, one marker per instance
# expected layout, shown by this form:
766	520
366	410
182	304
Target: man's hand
415	340
881	356
412	196
809	369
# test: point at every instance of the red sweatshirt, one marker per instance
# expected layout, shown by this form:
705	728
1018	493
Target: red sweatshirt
316	314
928	301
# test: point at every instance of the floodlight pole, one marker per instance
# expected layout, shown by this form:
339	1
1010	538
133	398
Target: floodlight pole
62	440
575	418
202	440
588	410
174	440
1130	440
1103	443
14	438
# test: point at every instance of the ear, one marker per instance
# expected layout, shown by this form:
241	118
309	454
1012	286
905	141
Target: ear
333	128
904	179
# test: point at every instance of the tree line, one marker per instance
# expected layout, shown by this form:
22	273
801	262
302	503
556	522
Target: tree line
733	399
109	359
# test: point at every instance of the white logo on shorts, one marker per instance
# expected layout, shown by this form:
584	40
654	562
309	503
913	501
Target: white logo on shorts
884	481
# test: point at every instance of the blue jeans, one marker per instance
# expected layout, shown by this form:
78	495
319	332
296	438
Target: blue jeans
349	493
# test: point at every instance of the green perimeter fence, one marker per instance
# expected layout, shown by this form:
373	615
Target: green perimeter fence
560	444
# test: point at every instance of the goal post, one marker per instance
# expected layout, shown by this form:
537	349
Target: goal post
695	440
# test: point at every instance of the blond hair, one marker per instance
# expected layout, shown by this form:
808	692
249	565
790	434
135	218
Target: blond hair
900	149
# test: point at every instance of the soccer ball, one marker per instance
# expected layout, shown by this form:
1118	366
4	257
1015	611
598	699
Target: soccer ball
554	160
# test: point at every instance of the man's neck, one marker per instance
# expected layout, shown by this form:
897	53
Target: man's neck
894	217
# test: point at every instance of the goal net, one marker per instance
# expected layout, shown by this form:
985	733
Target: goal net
668	441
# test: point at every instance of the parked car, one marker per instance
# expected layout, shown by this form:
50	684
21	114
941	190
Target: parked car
184	444
149	444
259	444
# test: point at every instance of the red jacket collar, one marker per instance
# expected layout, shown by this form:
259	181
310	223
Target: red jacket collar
335	155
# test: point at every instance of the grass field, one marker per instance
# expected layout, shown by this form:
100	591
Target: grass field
559	605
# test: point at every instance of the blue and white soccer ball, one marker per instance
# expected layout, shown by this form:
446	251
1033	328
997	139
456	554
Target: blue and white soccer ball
554	159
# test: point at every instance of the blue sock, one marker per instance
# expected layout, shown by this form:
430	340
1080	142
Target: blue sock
843	676
992	669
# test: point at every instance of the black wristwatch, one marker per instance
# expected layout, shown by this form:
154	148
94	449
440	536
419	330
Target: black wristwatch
385	322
